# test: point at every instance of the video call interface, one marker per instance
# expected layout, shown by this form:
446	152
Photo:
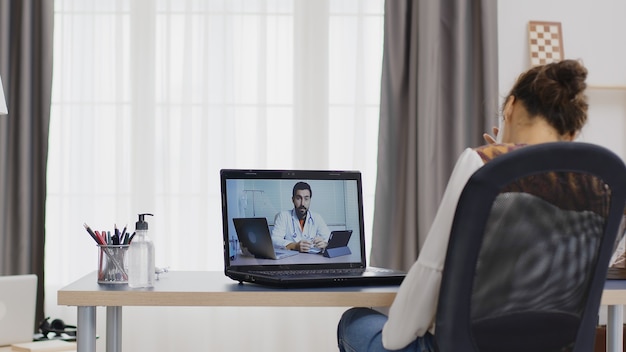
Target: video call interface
335	201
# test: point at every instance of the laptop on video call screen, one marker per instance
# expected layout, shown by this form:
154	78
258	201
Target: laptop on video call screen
265	213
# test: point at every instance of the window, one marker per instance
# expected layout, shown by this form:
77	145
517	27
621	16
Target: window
152	98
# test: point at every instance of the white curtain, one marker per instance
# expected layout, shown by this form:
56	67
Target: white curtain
152	98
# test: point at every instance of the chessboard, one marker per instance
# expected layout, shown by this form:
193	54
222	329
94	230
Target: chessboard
545	42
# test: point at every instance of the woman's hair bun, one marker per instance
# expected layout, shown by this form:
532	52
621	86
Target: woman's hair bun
570	75
555	91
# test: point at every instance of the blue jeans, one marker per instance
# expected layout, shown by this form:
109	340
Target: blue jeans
361	330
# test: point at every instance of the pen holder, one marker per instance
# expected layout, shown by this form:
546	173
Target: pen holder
112	267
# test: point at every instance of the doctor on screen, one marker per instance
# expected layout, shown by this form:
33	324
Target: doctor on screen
299	229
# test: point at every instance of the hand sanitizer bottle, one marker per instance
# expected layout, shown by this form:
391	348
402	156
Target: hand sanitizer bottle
141	257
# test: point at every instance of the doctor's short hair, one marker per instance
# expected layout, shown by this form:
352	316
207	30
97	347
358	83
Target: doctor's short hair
301	186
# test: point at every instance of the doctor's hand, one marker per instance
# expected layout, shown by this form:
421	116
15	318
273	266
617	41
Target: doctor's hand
488	138
319	242
302	246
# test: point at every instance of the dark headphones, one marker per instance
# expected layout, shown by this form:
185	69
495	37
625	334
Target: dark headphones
57	326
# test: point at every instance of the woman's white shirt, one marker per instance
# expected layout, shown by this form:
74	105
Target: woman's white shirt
412	313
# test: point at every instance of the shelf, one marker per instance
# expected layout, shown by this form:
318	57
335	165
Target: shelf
606	87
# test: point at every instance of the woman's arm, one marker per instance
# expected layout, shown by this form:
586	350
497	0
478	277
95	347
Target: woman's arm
413	310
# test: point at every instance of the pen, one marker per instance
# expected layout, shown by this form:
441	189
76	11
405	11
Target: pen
123	236
100	238
90	231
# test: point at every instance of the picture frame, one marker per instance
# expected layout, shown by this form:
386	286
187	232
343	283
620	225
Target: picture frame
545	42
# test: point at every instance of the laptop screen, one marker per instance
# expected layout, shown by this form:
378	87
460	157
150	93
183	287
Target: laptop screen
328	203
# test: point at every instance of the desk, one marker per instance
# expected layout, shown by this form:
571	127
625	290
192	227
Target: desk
614	296
203	288
55	345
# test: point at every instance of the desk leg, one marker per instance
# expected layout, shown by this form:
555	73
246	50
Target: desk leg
614	331
86	332
114	329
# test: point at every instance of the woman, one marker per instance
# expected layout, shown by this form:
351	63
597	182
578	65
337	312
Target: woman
546	104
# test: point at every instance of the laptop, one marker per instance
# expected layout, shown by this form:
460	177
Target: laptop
18	299
254	236
336	206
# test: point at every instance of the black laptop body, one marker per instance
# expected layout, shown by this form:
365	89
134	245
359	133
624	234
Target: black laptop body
336	206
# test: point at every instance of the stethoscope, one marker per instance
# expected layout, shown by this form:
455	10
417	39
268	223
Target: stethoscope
293	226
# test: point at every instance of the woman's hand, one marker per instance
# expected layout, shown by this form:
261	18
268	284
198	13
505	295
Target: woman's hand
488	138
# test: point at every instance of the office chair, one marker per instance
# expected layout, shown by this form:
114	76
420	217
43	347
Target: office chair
533	233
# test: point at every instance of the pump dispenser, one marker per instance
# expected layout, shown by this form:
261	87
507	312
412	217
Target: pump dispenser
141	271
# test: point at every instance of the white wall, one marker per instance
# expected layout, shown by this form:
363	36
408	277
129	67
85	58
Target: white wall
593	31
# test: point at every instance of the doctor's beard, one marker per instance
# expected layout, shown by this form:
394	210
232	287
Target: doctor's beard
302	210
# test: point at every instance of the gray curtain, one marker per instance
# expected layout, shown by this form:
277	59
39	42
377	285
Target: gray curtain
26	69
439	93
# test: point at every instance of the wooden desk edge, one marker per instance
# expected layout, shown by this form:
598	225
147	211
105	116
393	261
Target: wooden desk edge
233	299
77	295
613	297
254	299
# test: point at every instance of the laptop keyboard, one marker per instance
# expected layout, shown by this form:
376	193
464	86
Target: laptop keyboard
311	272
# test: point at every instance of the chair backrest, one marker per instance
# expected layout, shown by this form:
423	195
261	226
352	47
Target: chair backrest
529	248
